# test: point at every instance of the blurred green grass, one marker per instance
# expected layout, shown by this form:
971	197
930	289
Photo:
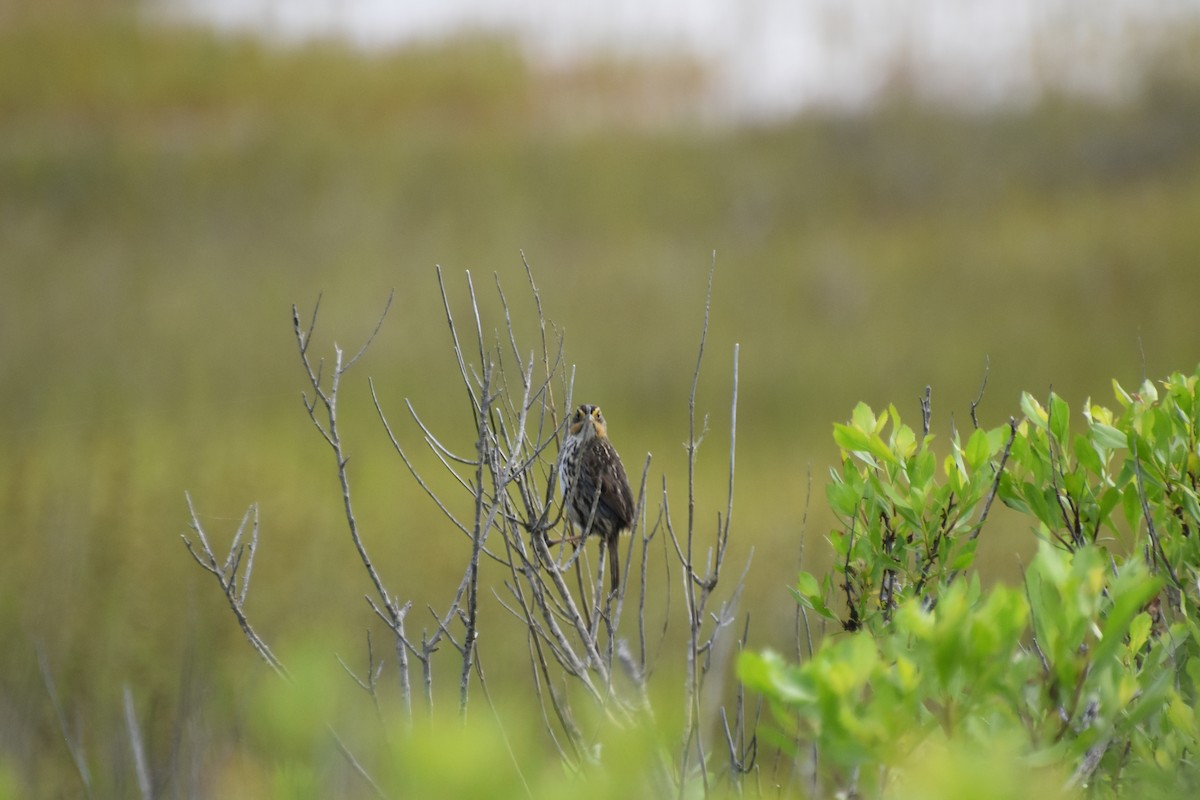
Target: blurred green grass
166	194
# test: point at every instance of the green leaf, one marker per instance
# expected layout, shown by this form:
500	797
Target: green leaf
843	498
807	585
807	592
1122	396
851	438
1060	418
1033	410
1150	701
1193	671
840	542
1107	436
758	670
953	474
1039	501
1087	456
863	418
965	556
1181	716
855	440
904	442
1075	484
1133	587
1139	632
998	437
1131	504
1189	503
978	449
1108	501
920	470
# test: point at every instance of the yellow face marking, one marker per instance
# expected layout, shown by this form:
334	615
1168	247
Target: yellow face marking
590	414
598	423
576	422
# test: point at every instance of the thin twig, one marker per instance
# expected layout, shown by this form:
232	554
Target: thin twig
226	578
73	747
801	612
1151	531
987	504
135	744
926	410
987	366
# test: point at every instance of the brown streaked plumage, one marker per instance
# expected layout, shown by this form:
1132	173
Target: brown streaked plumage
596	494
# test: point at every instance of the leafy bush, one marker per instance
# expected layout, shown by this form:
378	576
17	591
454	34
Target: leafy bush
1083	678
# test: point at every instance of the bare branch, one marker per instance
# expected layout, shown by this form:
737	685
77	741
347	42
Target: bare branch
510	482
305	337
369	684
250	558
926	410
458	354
226	578
328	426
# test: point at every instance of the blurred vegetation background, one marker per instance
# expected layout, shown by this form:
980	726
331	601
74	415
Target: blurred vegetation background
167	193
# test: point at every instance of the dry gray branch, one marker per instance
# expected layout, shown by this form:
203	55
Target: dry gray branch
503	500
226	574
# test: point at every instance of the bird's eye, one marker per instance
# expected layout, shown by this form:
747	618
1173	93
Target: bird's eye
596	413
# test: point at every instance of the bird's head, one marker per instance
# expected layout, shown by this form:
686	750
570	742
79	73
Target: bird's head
586	422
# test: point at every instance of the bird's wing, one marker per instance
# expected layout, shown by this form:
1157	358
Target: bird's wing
615	492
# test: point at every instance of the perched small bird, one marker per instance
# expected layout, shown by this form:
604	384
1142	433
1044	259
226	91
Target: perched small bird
596	494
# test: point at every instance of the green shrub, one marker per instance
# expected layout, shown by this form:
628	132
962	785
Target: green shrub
1082	679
